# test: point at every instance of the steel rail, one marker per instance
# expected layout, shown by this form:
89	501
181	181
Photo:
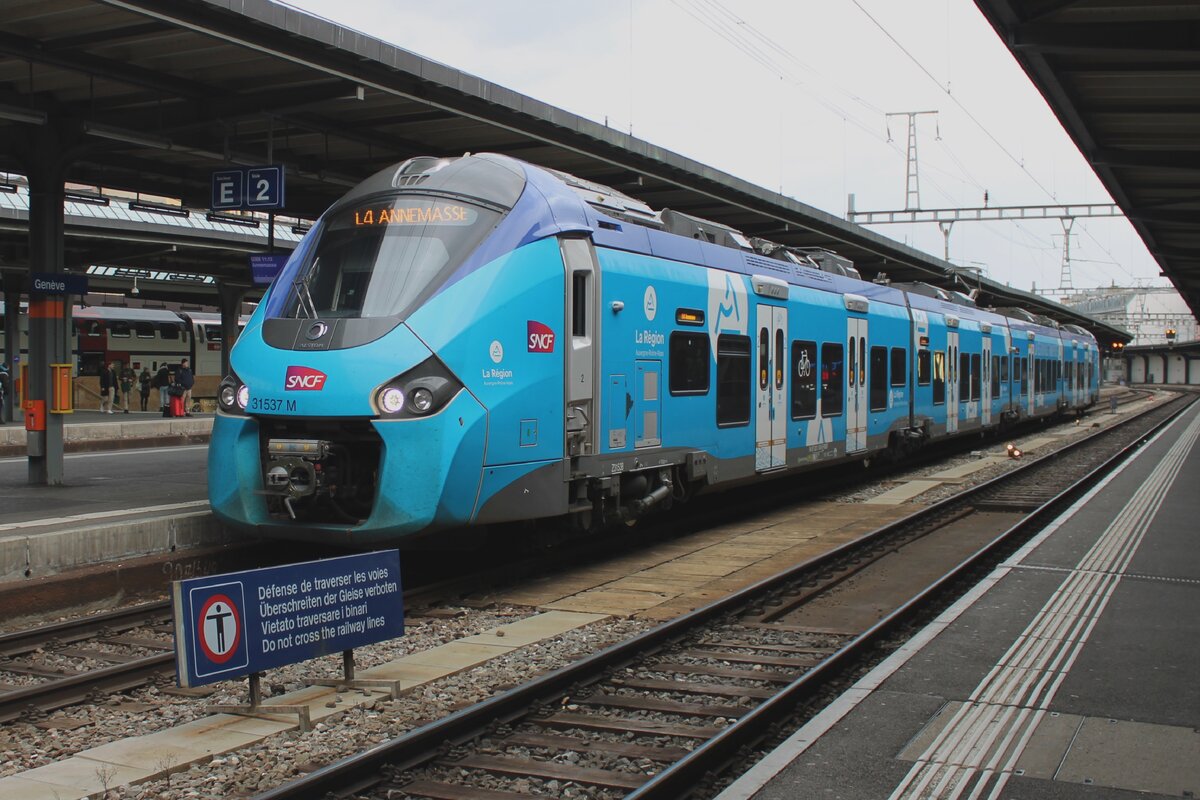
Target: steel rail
421	744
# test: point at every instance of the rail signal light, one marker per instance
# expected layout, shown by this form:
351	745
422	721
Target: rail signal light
1170	334
1118	346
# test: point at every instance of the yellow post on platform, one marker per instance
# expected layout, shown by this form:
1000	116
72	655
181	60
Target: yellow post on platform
62	389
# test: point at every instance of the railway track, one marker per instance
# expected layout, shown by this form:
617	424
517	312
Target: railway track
659	714
81	660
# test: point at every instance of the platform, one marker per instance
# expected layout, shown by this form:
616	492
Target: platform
92	431
1069	673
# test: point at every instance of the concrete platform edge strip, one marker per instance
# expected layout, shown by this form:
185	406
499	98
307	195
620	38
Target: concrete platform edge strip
78	773
795	745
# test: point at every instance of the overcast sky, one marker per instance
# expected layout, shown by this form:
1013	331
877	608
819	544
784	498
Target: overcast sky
793	95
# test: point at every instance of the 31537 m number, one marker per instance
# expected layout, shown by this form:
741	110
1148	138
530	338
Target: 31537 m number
270	405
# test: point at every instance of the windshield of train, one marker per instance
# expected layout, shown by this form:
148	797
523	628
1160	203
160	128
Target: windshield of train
379	258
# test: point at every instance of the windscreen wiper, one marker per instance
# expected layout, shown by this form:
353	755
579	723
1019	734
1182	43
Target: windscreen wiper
304	295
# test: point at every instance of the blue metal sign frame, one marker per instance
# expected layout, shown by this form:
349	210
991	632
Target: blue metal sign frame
231	625
249	188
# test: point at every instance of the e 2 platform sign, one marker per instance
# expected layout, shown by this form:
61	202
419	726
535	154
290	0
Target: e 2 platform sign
231	625
248	188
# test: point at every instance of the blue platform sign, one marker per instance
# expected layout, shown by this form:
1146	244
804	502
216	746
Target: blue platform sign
228	189
265	266
264	187
231	625
247	188
43	283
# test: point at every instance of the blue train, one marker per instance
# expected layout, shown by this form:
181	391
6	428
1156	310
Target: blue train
478	340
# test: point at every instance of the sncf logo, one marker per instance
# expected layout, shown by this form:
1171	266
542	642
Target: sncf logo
541	338
304	379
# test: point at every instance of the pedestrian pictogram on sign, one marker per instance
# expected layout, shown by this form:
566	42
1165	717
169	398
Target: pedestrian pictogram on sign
219	629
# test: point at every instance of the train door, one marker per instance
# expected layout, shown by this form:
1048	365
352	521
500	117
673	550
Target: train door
770	449
985	384
1030	370
952	368
582	323
856	383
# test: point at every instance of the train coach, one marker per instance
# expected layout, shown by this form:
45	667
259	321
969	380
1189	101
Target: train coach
140	337
478	340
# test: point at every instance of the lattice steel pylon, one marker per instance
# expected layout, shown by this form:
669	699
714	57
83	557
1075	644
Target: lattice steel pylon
1064	276
912	186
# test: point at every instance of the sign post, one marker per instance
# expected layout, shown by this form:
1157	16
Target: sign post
242	623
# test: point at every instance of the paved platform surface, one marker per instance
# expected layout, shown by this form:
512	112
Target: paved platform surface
1071	672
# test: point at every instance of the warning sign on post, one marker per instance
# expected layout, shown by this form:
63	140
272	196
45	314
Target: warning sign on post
231	625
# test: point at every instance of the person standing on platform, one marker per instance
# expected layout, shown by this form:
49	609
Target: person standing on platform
126	387
108	387
144	386
162	380
185	378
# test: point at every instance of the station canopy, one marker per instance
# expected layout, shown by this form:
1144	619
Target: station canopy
1123	77
152	96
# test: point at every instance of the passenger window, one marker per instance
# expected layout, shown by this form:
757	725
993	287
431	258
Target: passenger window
831	380
779	359
733	380
168	331
964	377
995	376
976	377
899	366
689	363
879	378
118	329
763	358
939	378
923	368
1003	368
145	330
804	380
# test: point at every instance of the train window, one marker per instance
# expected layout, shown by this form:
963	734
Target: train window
579	304
832	393
764	358
779	359
939	378
804	380
118	329
1024	375
168	330
879	378
212	333
383	256
733	380
1003	368
92	328
995	376
976	377
145	330
899	366
689	363
964	378
923	368
853	365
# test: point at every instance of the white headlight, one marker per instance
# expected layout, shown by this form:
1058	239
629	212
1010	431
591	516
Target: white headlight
228	396
243	396
392	400
422	399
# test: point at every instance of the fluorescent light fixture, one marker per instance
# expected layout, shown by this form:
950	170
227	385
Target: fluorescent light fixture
301	229
232	219
158	208
126	136
87	197
27	115
8	187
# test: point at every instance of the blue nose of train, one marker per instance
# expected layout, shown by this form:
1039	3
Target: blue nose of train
314	431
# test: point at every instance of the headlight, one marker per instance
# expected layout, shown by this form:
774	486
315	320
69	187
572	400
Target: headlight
232	395
422	400
423	390
391	400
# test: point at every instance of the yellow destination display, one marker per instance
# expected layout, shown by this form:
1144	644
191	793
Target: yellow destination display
424	214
